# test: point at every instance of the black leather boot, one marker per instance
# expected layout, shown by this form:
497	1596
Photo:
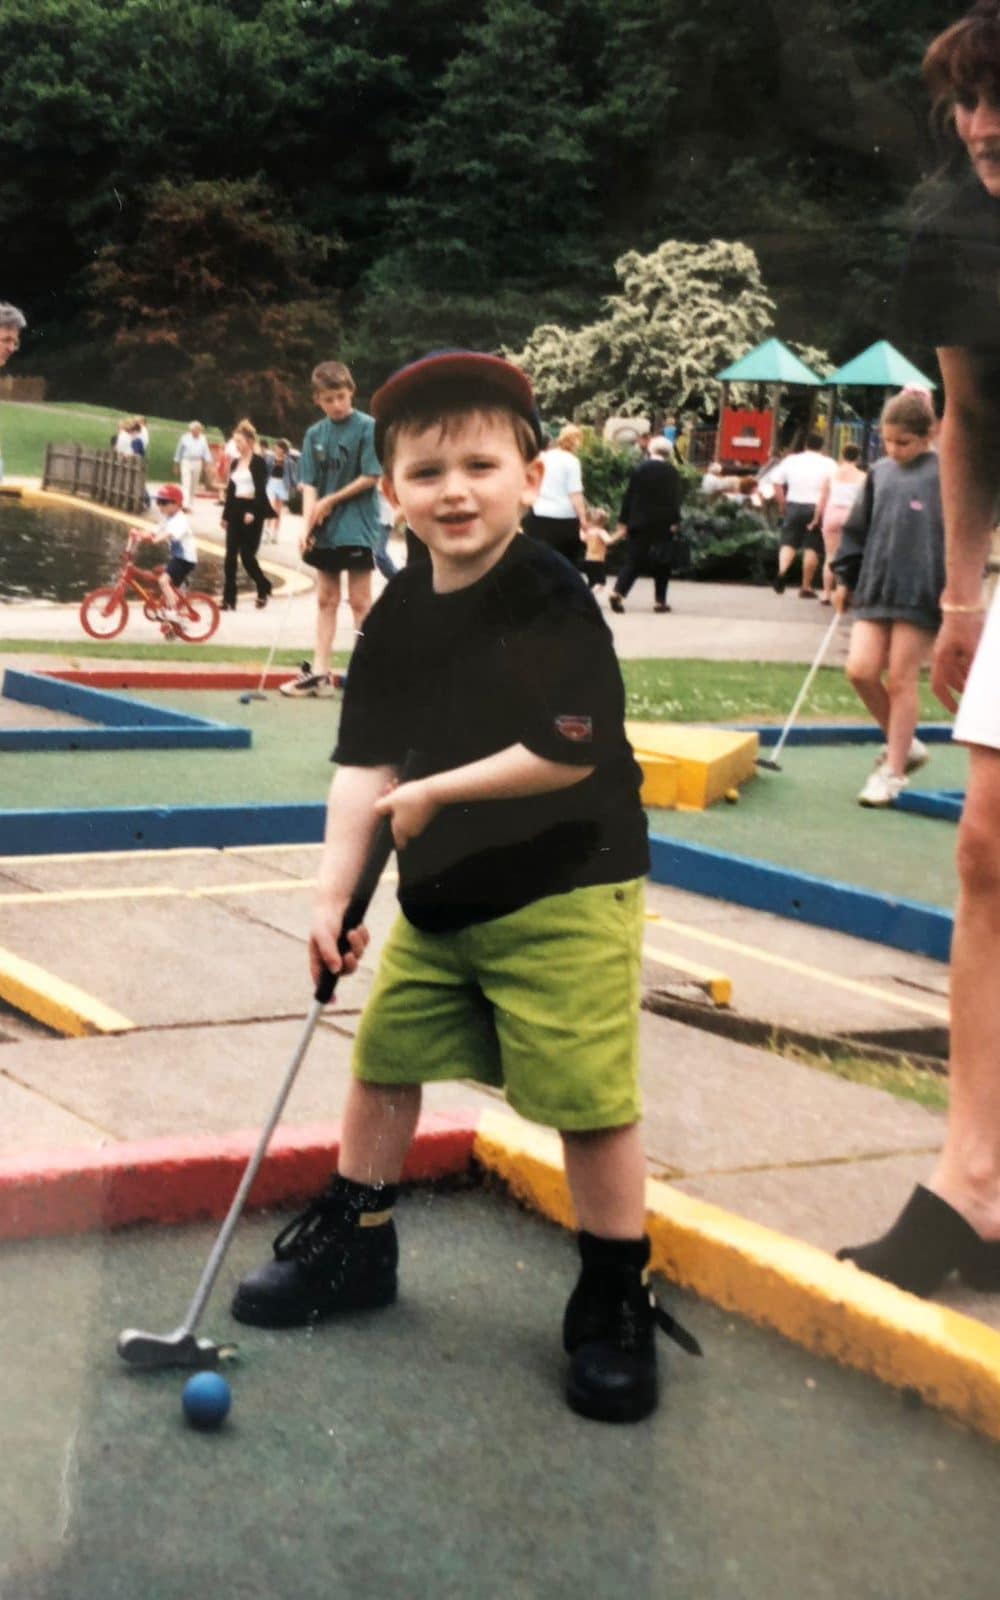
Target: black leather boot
339	1255
609	1332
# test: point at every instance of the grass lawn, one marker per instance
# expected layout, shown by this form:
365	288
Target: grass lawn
25	430
669	691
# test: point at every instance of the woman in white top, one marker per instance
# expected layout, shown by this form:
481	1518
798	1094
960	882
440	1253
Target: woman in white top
560	510
836	498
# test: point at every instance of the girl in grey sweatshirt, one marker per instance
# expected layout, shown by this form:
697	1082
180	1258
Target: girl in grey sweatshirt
890	571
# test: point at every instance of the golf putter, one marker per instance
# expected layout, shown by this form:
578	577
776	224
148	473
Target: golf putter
182	1347
258	693
772	763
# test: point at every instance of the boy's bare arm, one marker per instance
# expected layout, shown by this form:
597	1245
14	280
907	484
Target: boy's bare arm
511	774
351	822
348	492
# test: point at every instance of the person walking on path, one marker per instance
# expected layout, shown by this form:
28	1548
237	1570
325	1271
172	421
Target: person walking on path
952	1223
339	471
649	518
836	498
798	481
890	570
244	512
190	456
560	510
522	849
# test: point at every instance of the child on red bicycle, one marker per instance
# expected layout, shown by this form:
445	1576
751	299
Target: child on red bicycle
183	550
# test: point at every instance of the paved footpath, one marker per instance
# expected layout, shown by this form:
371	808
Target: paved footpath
710	621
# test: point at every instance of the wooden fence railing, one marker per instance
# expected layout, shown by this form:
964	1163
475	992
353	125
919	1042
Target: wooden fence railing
102	475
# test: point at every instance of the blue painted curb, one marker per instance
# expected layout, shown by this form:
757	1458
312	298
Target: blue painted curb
159	828
944	803
122	723
203	737
837	733
822	902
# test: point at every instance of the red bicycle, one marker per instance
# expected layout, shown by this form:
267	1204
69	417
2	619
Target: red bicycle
104	612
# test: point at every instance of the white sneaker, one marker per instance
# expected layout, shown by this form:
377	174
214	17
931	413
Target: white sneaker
918	756
881	788
308	685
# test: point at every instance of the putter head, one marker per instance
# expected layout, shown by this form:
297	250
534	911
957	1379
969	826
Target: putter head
178	1349
768	765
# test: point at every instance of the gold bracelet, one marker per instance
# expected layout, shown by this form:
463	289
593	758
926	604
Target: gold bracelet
960	611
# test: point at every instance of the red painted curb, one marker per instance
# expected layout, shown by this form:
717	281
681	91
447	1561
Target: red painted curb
175	1180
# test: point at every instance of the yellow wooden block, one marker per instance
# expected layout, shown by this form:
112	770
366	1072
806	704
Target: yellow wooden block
709	760
660	778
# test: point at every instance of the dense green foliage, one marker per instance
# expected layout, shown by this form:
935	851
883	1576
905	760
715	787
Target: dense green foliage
368	178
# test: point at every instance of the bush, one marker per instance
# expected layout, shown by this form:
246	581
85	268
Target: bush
606	471
728	543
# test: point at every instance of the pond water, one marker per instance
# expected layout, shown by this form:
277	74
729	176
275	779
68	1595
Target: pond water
61	552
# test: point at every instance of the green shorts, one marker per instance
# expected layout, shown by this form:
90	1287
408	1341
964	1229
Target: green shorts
543	1003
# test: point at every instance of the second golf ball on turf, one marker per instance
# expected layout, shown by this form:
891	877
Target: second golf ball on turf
206	1400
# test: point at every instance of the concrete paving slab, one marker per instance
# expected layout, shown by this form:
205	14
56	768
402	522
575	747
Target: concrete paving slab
769	950
29	1120
715	1106
178	869
189	1081
162	961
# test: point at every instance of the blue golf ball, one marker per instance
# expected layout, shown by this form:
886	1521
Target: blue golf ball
206	1400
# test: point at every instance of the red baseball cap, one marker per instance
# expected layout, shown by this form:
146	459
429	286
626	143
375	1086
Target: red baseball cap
442	367
170	493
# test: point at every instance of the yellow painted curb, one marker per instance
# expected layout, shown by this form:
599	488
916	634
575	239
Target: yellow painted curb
59	1005
950	1360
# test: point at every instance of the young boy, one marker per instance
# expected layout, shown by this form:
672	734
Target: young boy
522	850
183	557
339	471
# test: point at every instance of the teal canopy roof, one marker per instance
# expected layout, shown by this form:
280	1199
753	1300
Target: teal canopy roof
880	367
771	362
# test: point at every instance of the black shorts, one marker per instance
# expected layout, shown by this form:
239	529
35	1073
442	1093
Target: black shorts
178	570
795	529
342	558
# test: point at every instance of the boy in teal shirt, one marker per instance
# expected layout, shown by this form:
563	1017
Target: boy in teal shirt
339	471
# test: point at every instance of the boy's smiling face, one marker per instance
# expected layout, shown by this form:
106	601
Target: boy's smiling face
463	489
337	403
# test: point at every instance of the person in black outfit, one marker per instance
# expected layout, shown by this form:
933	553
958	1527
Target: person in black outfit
649	516
244	512
950	299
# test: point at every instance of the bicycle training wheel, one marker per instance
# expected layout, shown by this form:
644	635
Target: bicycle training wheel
197	617
104	613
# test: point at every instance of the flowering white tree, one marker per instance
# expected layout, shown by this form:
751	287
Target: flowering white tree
684	312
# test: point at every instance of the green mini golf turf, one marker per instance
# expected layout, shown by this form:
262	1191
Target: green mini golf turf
806	817
425	1452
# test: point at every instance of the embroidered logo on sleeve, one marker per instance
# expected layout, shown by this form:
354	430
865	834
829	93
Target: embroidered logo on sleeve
579	730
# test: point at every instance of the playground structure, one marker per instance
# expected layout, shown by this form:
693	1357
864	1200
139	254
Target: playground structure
746	437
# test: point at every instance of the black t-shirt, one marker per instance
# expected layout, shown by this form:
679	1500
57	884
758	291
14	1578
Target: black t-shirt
523	656
949	295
